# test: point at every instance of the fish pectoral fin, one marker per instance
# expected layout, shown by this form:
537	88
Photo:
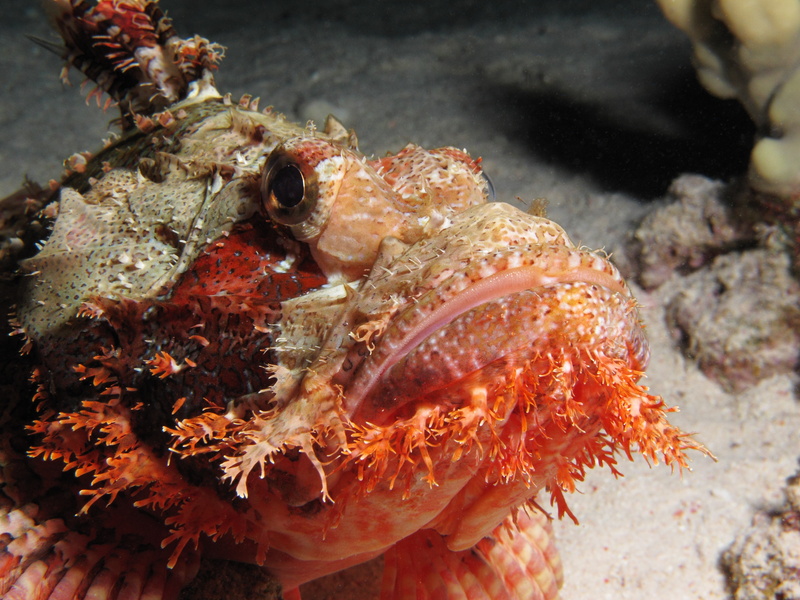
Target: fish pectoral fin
46	559
517	560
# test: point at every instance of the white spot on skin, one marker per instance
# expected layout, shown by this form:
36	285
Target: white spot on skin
285	265
573	260
328	169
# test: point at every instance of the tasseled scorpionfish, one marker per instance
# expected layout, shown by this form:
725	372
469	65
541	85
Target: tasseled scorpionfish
248	341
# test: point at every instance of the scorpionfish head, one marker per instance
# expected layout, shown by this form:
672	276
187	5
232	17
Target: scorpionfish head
321	359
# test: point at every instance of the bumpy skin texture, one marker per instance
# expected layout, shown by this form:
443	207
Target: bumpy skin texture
272	349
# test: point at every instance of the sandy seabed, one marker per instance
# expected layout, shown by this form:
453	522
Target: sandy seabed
590	105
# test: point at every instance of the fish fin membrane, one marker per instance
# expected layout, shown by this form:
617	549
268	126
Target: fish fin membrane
517	560
43	559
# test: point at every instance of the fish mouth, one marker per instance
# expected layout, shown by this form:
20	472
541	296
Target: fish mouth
460	333
487	292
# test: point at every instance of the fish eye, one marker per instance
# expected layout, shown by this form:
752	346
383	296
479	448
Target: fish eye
288	190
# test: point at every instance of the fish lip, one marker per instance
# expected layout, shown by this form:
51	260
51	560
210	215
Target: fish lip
496	286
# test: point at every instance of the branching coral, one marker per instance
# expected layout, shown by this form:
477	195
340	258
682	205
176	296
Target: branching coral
750	50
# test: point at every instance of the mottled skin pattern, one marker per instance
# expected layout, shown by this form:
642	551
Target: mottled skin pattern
253	342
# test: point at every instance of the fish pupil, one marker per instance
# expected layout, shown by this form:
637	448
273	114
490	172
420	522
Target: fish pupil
288	186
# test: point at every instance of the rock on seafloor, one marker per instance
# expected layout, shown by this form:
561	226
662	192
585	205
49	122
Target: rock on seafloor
732	297
764	561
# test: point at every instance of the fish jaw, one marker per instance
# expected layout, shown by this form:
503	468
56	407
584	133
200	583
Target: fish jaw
524	357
